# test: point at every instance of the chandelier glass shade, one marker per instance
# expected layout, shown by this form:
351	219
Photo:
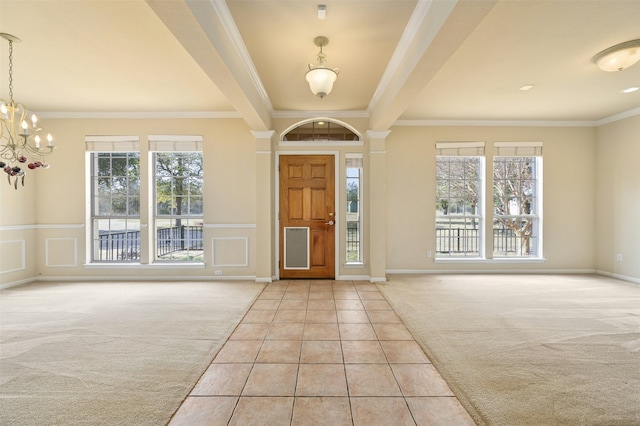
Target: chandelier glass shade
21	146
320	77
618	57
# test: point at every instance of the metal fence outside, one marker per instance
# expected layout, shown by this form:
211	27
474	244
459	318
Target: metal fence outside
353	242
125	245
465	241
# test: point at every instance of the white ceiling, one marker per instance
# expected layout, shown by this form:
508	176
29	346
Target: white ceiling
428	61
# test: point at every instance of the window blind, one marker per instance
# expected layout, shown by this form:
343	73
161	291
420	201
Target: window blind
353	161
175	143
517	149
112	143
467	149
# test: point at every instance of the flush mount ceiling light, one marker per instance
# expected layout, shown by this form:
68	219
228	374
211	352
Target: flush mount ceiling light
320	77
618	57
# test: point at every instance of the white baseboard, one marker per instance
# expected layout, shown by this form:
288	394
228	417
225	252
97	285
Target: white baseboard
488	271
618	276
353	278
17	283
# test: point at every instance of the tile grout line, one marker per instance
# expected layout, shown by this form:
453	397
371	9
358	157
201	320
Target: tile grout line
275	319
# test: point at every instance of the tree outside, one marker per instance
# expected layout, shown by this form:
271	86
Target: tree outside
179	205
514	202
458	186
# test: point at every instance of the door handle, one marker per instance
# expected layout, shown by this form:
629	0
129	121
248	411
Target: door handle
330	222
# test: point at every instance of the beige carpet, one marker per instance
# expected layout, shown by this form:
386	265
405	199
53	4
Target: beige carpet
110	353
530	350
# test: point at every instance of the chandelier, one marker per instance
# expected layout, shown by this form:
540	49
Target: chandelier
320	77
20	144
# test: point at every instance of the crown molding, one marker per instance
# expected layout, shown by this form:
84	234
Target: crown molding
139	115
495	123
617	117
337	114
520	123
314	114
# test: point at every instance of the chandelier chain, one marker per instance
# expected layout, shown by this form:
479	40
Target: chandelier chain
11	71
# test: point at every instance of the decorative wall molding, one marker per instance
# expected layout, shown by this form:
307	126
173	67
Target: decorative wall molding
19	246
229	225
138	115
59	246
41	226
241	263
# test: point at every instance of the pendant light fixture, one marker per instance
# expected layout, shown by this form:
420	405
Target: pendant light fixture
320	77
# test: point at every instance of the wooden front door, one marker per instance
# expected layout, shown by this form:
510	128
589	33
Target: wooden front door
307	216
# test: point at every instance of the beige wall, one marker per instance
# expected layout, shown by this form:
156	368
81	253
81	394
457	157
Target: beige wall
591	188
568	193
618	198
49	218
18	232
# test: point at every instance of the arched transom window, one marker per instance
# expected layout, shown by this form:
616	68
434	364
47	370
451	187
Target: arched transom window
320	130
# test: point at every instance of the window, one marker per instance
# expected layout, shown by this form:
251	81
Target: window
459	199
178	220
115	199
179	207
320	130
175	210
353	207
516	200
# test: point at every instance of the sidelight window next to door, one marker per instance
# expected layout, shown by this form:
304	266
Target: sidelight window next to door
353	172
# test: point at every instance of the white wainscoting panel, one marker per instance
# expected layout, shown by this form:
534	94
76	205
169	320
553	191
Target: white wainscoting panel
230	251
61	252
14	256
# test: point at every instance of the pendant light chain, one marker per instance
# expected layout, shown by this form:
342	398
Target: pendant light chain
11	71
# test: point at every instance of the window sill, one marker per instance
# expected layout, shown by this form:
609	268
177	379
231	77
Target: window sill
156	265
505	260
354	265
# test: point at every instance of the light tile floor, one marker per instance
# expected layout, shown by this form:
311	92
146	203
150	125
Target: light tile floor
321	353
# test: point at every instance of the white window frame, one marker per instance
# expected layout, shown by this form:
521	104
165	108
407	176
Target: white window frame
170	144
524	150
473	149
354	161
96	145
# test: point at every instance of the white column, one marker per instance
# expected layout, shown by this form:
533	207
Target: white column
265	234
376	142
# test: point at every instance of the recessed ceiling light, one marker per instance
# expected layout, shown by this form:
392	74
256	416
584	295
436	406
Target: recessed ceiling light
526	87
631	89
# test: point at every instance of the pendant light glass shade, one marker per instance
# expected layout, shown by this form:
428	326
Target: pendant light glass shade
321	81
320	77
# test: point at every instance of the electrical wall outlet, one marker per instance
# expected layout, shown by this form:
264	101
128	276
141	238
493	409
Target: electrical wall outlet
218	272
429	253
619	257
